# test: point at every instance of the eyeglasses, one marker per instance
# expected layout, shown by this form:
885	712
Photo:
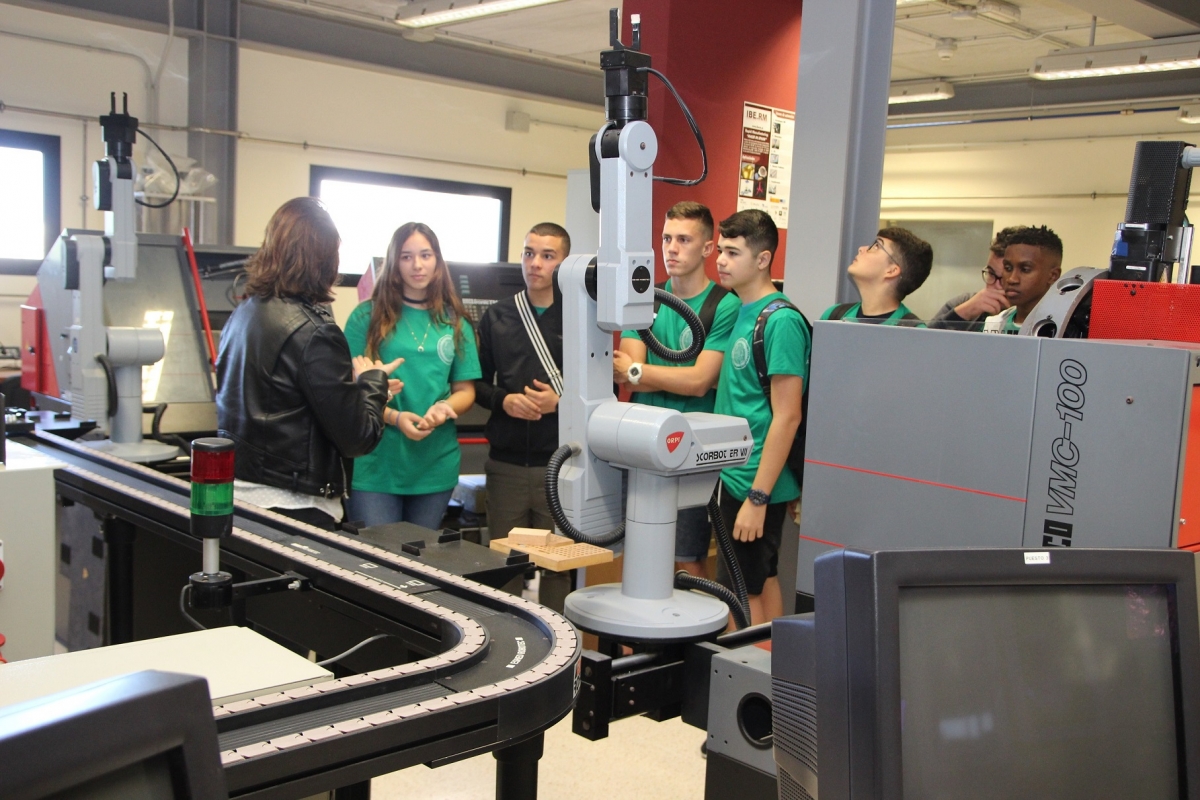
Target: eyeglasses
878	245
990	277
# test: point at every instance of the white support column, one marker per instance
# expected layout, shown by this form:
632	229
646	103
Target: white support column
837	155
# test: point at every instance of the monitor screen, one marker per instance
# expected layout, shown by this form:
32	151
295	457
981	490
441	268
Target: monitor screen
144	780
1077	684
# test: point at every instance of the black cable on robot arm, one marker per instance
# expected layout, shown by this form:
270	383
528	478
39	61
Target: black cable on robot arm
725	545
690	317
174	170
685	581
553	467
691	121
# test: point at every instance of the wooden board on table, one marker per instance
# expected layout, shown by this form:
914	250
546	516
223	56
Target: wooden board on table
536	536
561	555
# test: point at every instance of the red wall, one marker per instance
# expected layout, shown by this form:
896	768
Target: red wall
718	55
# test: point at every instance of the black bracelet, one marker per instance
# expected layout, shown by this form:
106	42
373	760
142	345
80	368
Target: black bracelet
758	497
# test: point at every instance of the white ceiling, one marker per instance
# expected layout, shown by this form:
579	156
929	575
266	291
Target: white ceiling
987	49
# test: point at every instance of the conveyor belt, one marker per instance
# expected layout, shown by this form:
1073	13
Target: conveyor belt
499	668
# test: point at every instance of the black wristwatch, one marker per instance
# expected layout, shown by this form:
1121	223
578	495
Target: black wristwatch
758	497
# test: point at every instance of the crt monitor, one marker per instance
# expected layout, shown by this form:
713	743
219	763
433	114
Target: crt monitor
144	736
993	673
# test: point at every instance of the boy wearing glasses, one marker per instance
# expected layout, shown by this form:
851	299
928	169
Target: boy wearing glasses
968	311
885	272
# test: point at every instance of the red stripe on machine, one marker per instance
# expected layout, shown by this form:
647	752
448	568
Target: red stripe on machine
916	480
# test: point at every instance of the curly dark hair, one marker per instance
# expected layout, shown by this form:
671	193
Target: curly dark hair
1000	242
1037	236
916	259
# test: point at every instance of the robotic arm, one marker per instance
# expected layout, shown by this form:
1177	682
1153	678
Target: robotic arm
106	362
627	468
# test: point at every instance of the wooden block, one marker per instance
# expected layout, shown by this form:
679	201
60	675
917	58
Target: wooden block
530	536
559	557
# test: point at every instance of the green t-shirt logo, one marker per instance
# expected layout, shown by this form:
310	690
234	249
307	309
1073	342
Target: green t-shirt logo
741	354
446	349
685	339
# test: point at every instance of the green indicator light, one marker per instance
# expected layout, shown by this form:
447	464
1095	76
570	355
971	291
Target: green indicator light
212	499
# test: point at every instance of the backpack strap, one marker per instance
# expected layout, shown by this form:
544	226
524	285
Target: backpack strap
839	311
657	302
910	320
708	311
758	341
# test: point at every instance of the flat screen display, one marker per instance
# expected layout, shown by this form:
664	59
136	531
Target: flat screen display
1038	691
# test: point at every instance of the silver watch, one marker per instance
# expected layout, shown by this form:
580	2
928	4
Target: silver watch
634	373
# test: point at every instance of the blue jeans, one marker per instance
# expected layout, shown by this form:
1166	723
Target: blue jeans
379	508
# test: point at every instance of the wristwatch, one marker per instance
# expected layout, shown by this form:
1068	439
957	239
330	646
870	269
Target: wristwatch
758	497
634	373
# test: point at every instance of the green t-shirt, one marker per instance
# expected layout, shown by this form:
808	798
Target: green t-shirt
399	465
670	329
851	315
788	346
1011	325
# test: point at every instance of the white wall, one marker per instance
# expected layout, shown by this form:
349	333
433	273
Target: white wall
294	99
1001	172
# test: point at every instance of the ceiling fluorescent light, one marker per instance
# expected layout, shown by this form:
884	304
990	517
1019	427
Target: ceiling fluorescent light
1131	58
429	14
919	91
1190	114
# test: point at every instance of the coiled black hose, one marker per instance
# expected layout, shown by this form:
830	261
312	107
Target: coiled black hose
685	581
553	467
725	544
693	322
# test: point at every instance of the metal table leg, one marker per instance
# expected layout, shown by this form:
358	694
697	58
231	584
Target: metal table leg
517	769
357	791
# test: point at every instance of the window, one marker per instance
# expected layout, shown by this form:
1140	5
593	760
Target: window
29	200
470	219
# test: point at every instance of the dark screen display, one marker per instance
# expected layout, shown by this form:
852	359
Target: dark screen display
1038	691
151	779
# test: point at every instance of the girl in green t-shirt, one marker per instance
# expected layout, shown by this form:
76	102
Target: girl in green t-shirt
414	314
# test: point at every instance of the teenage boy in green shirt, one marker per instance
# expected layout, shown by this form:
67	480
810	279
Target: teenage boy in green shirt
754	496
687	241
885	272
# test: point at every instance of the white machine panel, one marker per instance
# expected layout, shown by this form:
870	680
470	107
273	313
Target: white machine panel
27	533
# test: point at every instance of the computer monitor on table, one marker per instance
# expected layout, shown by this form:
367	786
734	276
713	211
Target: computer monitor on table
993	674
145	736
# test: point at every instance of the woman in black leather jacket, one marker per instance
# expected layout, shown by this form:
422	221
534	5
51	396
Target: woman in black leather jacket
295	404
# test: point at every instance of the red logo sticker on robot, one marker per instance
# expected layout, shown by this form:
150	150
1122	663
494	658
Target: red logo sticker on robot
673	441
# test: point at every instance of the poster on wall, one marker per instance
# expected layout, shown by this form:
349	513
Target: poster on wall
765	179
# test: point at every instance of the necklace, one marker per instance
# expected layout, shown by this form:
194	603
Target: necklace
411	301
420	344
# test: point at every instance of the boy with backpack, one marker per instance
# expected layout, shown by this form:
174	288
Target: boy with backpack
885	272
687	241
763	379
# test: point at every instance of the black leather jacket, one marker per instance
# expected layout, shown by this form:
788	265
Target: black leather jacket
287	397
